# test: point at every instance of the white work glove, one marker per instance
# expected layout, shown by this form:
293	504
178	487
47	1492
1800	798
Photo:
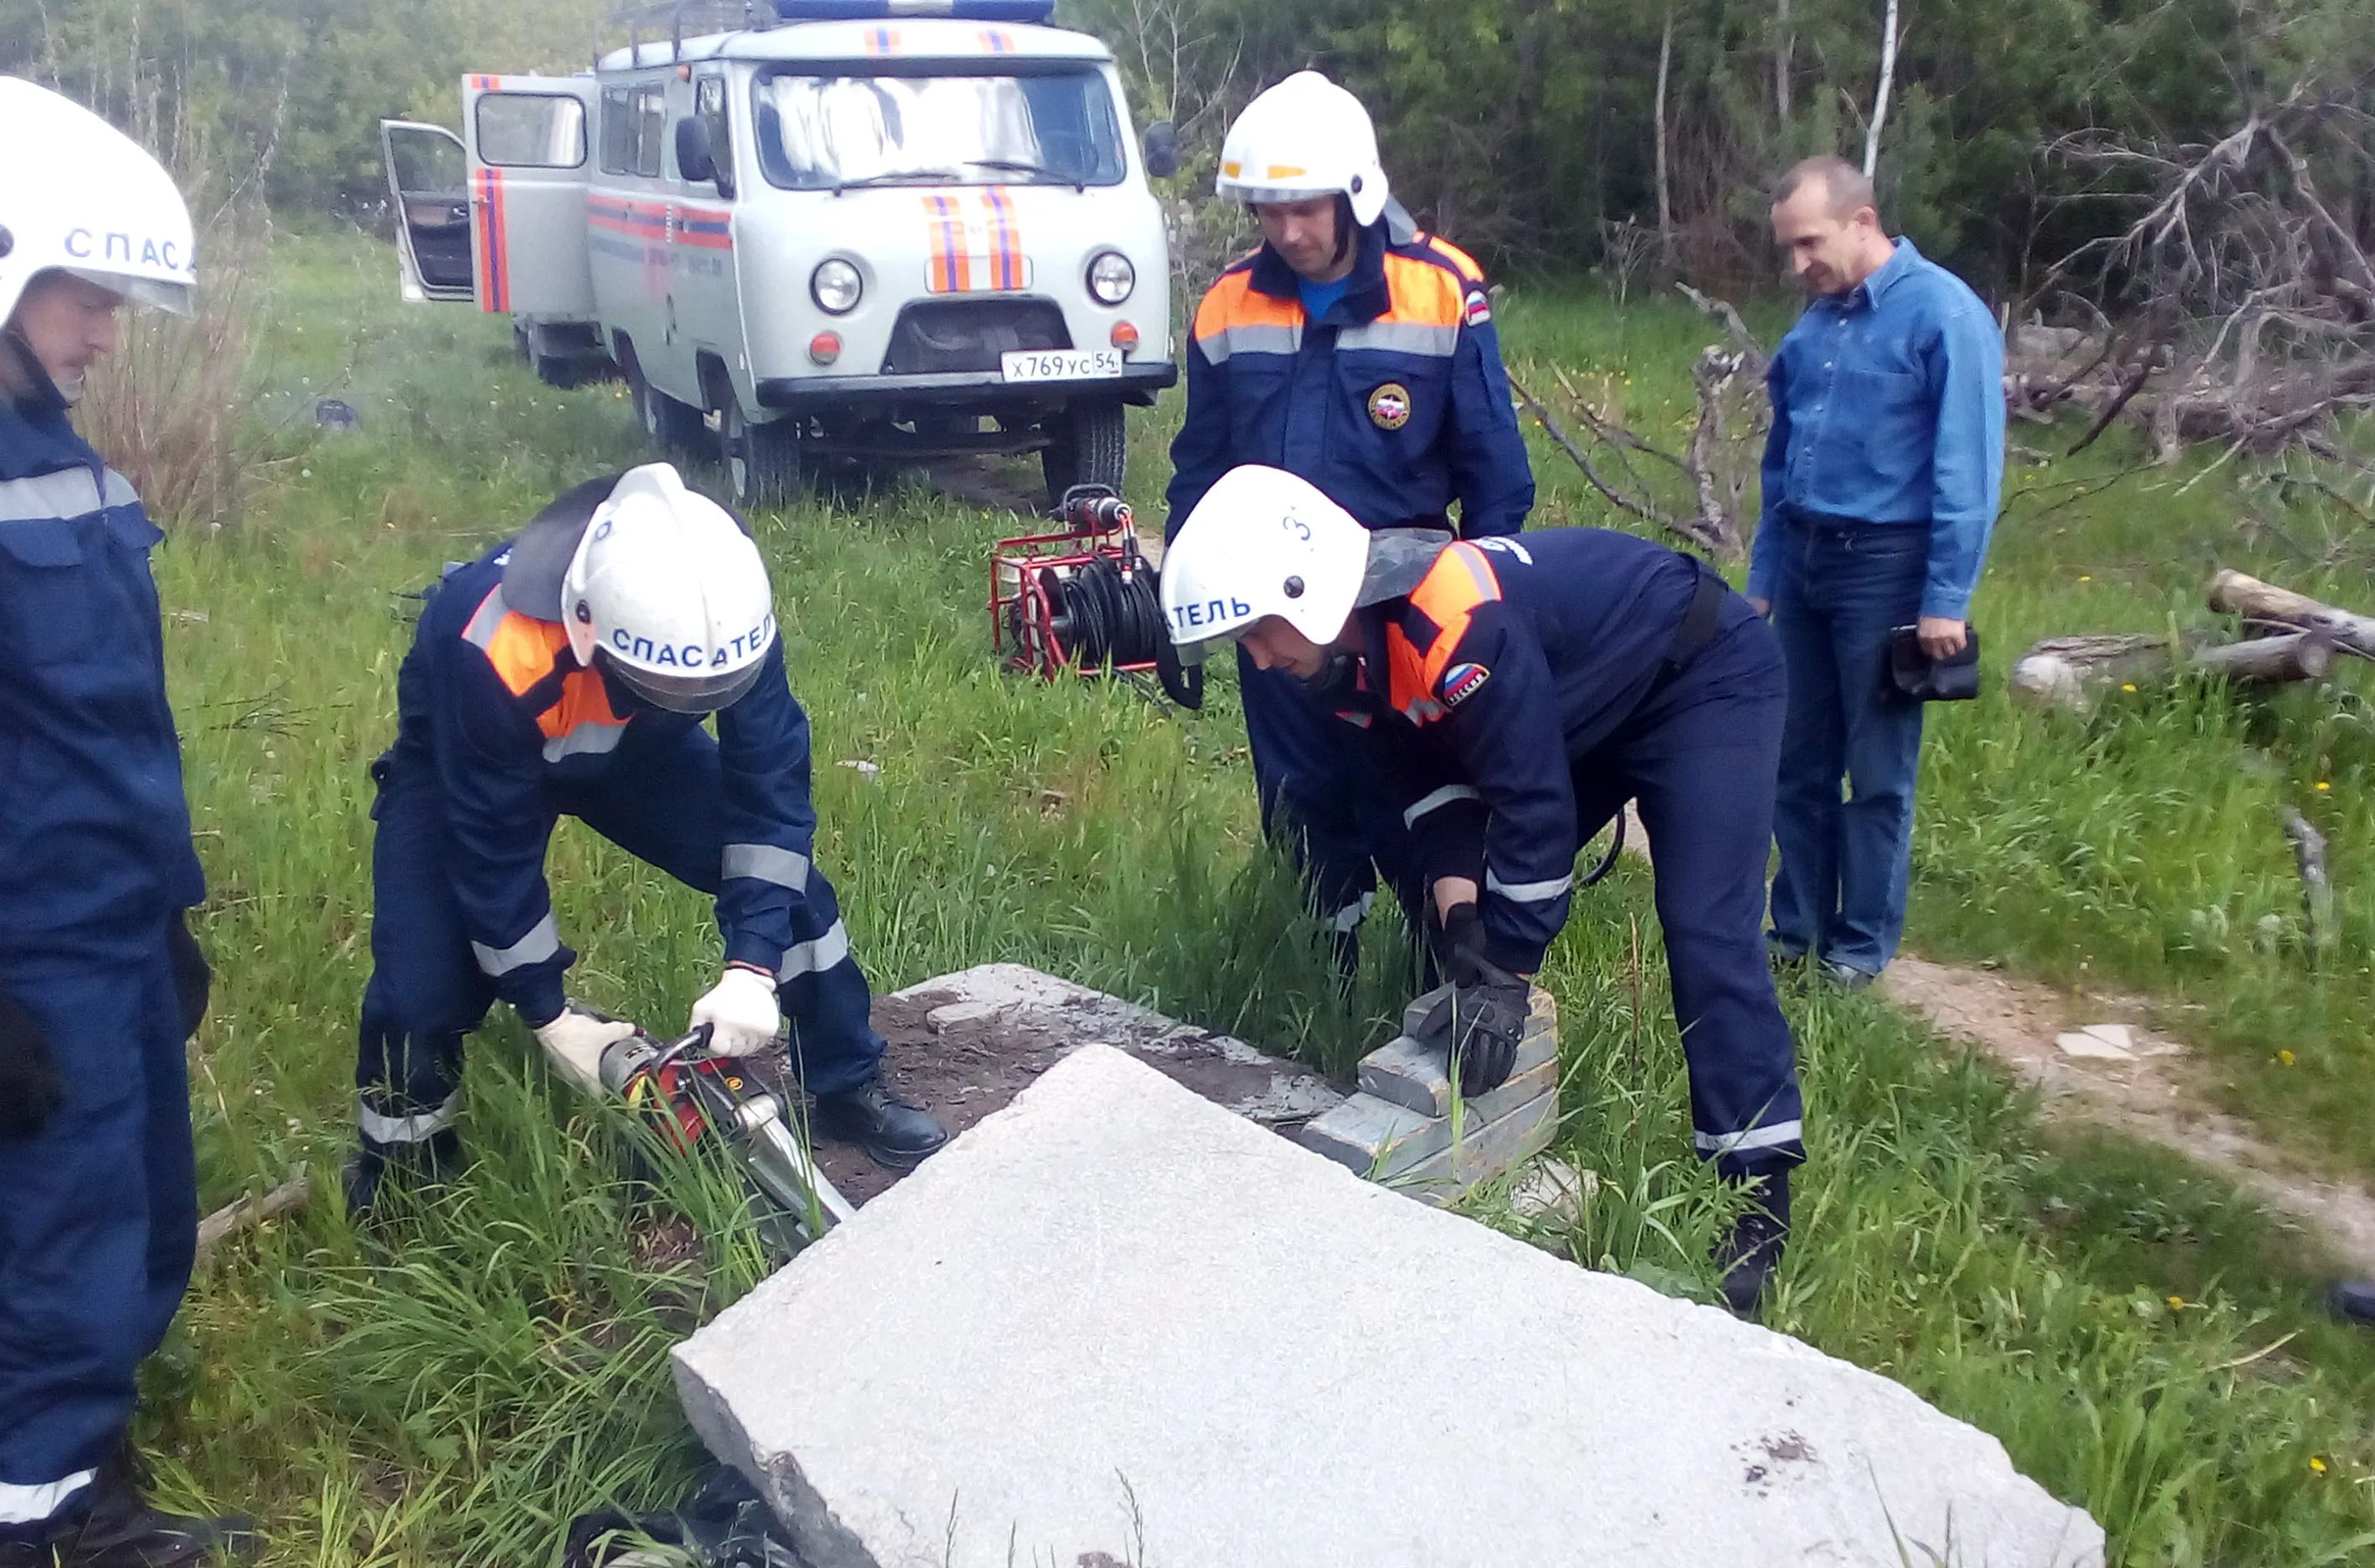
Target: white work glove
575	1042
740	1013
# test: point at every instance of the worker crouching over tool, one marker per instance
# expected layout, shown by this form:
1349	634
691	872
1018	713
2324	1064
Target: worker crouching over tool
1514	693
567	673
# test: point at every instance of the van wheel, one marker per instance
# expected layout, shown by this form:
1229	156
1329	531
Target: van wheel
670	426
1088	444
762	462
558	369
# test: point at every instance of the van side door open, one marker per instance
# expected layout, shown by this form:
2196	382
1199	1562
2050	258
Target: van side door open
529	140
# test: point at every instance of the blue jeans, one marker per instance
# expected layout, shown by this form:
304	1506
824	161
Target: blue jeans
1843	588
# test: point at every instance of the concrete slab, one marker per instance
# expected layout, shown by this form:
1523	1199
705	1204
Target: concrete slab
1413	1073
1114	1324
1379	1140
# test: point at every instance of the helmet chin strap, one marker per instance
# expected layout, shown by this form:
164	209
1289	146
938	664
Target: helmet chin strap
41	390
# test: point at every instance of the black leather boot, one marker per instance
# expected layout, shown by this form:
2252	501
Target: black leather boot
120	1529
893	1133
1750	1254
377	1167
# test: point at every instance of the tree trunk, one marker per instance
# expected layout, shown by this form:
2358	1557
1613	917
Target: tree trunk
1785	43
1665	188
2071	672
1880	96
2232	592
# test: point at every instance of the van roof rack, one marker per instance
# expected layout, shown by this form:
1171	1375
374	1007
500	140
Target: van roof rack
678	18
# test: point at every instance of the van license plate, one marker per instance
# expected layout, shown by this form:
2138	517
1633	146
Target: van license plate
1061	364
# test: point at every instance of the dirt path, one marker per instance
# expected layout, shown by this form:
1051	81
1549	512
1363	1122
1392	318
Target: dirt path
2154	1097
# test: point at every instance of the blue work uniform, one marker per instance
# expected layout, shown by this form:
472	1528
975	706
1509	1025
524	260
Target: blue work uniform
1881	475
500	732
1518	696
99	1209
1394	403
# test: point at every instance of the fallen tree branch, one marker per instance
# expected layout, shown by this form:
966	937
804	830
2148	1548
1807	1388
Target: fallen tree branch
2317	891
2233	592
248	1212
2071	673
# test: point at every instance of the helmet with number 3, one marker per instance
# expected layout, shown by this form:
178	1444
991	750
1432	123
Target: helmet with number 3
1263	542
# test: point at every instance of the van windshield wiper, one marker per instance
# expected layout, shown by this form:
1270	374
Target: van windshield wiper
1009	165
901	177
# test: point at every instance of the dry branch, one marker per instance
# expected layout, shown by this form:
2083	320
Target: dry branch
2317	889
249	1212
2232	592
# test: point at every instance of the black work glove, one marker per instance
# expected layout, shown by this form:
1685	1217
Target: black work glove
1488	1008
193	979
29	1085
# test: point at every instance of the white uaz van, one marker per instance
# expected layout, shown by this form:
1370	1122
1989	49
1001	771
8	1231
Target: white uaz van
881	228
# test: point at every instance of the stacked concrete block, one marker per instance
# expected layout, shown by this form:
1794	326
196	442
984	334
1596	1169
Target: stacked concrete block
1404	1129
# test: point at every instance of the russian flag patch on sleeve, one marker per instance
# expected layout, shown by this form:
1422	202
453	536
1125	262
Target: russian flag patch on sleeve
1461	681
1479	307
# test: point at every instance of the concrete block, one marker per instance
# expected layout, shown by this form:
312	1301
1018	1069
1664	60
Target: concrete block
1410	1073
1114	1323
1482	1152
1379	1140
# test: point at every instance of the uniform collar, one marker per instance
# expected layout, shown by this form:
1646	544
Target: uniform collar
37	439
1364	287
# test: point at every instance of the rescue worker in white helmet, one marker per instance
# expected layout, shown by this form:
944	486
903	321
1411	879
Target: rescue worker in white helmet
568	672
1511	694
1359	353
101	984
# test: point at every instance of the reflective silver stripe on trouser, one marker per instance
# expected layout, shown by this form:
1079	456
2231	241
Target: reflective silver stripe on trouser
380	1128
817	956
31	1505
1250	340
1401	337
1528	892
1443	797
1771	1137
70	492
1353	913
765	862
542	941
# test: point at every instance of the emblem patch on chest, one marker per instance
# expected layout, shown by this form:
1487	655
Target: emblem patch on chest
1389	406
1461	681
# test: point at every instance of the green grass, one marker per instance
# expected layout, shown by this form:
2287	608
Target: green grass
455	1392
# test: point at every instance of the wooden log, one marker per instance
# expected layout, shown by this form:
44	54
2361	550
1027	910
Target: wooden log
2071	672
247	1212
2232	592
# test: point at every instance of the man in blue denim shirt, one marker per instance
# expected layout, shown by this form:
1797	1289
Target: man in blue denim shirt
1882	475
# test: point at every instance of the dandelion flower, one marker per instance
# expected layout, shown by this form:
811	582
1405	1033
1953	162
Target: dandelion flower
2127	686
2317	1464
2323	784
2286	1057
2177	1303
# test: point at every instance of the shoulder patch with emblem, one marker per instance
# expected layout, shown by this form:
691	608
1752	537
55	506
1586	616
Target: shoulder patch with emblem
1389	406
1479	307
1463	681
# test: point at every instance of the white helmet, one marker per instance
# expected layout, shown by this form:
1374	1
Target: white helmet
1304	137
673	591
1263	542
79	195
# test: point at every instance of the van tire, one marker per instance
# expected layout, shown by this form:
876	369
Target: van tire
558	369
764	463
672	427
1088	444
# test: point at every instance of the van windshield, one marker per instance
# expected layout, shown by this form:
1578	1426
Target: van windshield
833	133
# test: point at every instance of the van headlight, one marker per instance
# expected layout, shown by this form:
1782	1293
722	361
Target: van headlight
1111	277
836	287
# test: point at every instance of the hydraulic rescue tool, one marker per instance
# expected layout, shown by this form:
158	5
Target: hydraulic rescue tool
1084	601
689	1095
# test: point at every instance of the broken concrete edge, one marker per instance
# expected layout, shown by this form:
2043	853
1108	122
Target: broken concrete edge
989	991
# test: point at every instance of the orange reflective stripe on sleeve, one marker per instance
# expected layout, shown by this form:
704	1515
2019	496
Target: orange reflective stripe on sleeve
582	720
1460	260
1237	318
525	652
1448	596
